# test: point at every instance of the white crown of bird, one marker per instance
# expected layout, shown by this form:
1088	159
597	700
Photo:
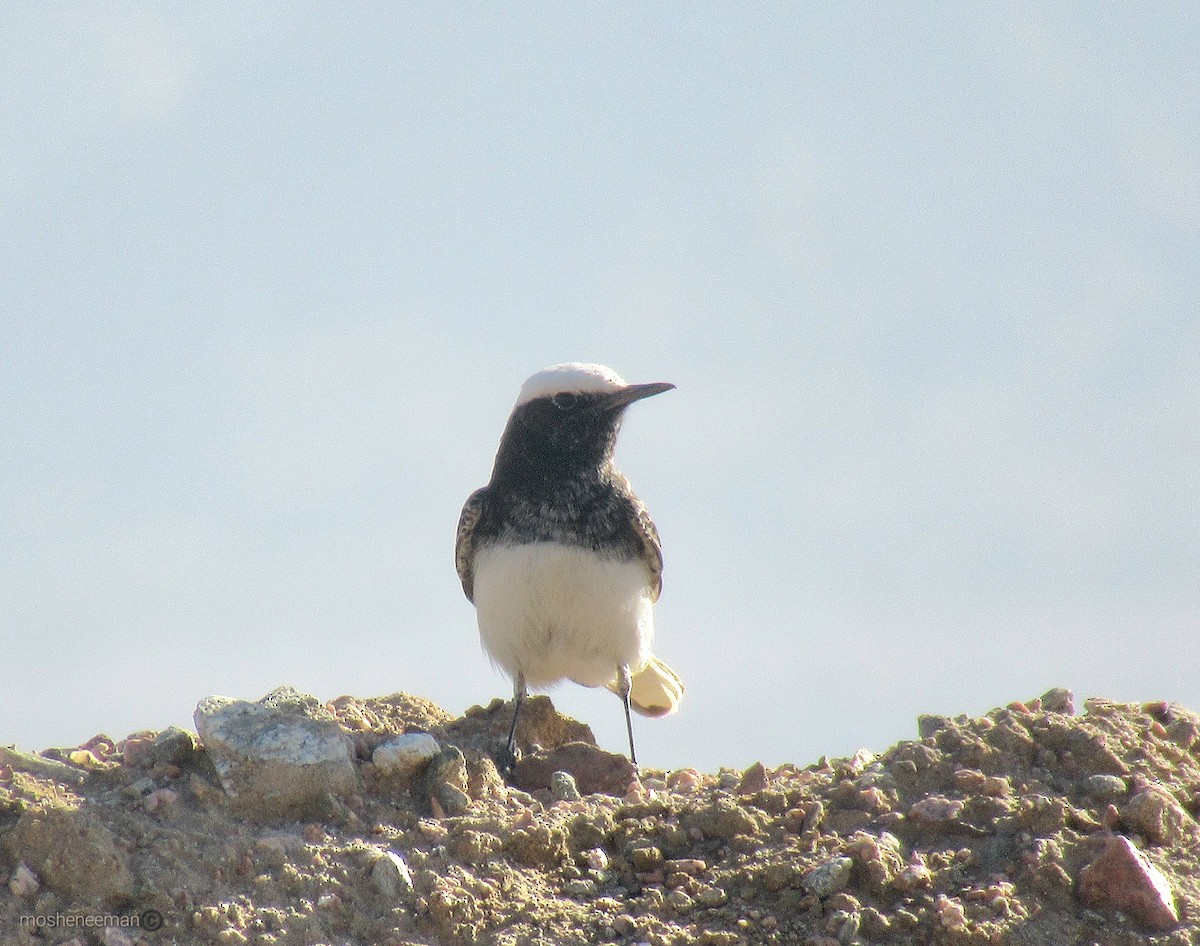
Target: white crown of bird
571	376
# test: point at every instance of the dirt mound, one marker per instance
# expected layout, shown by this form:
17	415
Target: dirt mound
1029	825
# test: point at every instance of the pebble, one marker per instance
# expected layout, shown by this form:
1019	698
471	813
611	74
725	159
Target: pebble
683	781
444	783
580	887
928	724
160	797
596	859
563	787
646	859
1104	786
403	757
172	746
754	780
679	901
1156	815
936	809
1123	879
23	882
724	820
1058	700
829	876
391	875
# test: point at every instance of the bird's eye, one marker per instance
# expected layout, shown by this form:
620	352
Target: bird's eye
564	400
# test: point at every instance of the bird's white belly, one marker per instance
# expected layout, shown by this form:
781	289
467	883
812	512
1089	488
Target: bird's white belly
554	612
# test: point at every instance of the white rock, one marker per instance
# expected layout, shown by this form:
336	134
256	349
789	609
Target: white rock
404	756
281	756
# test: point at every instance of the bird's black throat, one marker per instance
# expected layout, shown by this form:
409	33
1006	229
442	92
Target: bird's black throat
554	479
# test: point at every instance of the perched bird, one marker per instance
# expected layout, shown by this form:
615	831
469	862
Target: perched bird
559	556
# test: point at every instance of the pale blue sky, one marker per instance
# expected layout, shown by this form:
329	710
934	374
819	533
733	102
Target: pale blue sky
926	277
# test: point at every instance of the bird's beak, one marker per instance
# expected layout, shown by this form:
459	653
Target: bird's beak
635	392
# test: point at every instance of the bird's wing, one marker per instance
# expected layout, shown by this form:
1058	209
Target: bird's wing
651	546
464	546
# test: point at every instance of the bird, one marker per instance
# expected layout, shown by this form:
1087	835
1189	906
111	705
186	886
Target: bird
558	554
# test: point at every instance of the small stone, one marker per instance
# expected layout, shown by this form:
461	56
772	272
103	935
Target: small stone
725	820
1122	878
929	725
950	912
453	800
443	783
563	787
1156	815
690	866
679	901
159	798
710	896
1104	786
114	936
329	901
580	887
172	746
1058	700
391	875
23	882
646	859
754	780
403	757
596	859
829	876
136	746
935	809
683	781
914	876
844	924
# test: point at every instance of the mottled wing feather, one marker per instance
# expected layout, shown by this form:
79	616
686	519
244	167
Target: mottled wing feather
464	546
651	546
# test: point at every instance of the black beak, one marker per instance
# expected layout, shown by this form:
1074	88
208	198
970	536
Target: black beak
635	392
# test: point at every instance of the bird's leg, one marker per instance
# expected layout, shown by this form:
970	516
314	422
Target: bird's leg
625	683
509	760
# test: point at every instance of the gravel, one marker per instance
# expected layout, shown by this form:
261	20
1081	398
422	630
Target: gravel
1029	826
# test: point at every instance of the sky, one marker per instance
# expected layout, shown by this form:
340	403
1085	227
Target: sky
926	277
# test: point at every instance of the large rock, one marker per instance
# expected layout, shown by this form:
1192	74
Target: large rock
282	757
1122	878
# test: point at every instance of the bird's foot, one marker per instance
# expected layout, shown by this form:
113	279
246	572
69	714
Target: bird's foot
507	759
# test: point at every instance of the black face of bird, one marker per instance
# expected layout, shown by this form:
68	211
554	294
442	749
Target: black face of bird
573	429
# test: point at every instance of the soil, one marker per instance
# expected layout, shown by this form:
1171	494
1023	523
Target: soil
982	831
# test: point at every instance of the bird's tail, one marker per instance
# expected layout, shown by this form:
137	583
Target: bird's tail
656	689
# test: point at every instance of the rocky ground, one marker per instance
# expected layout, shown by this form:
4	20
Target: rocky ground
384	822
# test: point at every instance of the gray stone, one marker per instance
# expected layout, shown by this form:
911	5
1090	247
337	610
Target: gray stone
829	876
1105	786
391	875
403	757
928	724
563	787
284	756
172	746
1059	700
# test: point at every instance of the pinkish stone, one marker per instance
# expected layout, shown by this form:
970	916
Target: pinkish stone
936	808
1122	878
754	779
